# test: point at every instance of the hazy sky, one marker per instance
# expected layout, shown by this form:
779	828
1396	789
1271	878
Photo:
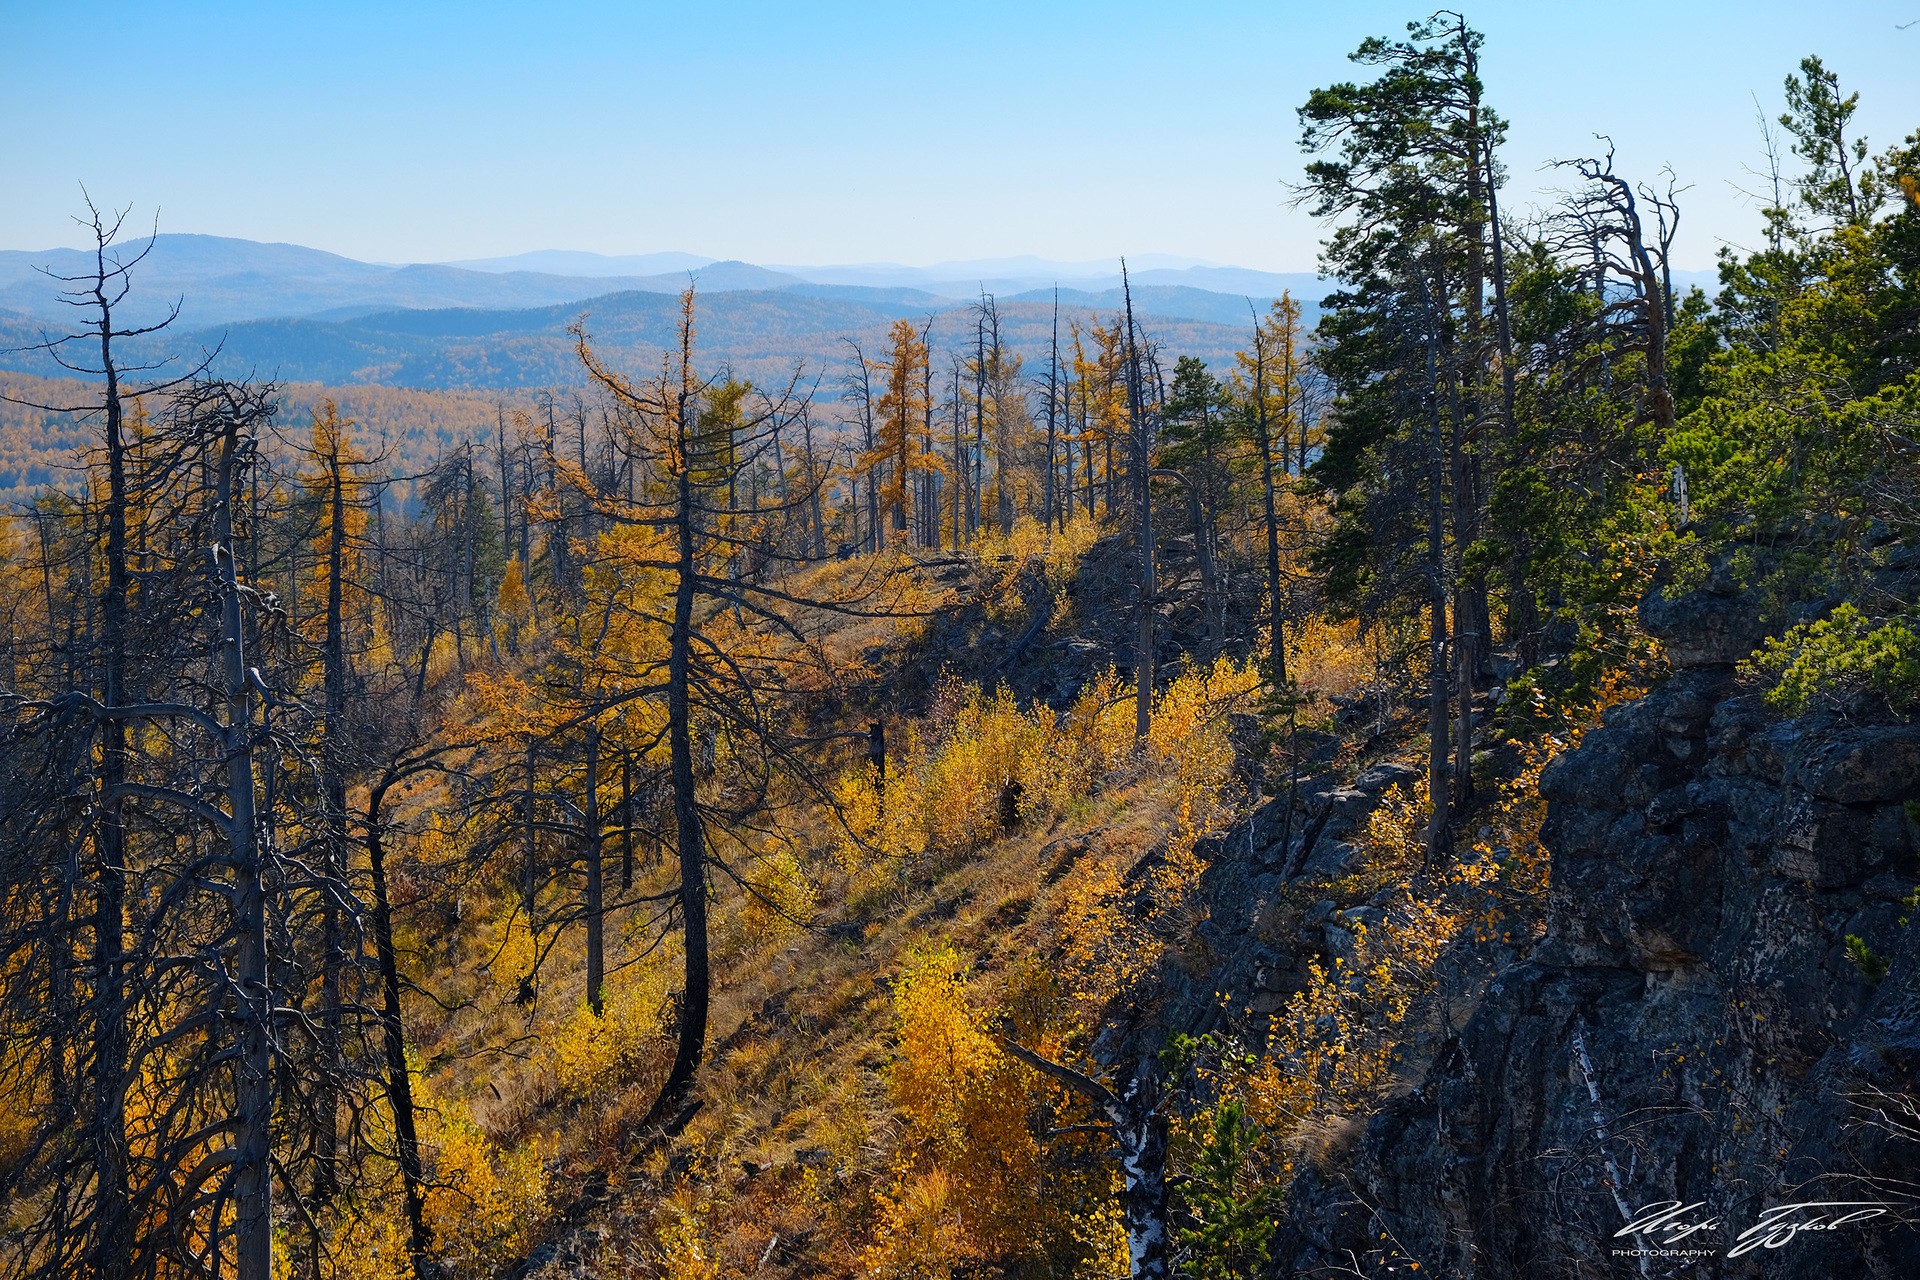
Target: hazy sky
795	132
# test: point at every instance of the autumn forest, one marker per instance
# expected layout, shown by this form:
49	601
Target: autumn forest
958	806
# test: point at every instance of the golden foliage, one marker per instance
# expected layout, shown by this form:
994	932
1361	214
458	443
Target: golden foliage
1028	546
1189	732
970	1178
1331	1051
1509	857
1329	659
918	1234
515	606
944	1049
683	1242
976	765
481	1201
782	899
589	1051
368	1241
1106	946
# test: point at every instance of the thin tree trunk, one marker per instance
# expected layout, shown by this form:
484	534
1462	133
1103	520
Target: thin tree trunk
978	461
1203	552
113	1230
688	837
814	483
334	784
1139	1133
596	899
506	488
1053	382
1144	655
1437	788
930	491
626	820
1263	436
253	1070
399	1080
959	466
530	847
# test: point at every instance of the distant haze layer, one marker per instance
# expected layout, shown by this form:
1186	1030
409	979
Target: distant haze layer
289	312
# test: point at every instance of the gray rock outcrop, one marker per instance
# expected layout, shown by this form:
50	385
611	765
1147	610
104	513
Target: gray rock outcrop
1692	1028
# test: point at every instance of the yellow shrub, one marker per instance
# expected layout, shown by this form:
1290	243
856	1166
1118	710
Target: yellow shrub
1510	859
1057	554
683	1240
782	899
943	1047
1189	733
1100	726
370	1242
1327	658
515	606
971	1180
1105	950
962	783
871	844
515	950
918	1235
589	1052
1332	1050
480	1200
976	761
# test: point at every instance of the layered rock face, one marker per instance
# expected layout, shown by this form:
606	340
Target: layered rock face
1692	1029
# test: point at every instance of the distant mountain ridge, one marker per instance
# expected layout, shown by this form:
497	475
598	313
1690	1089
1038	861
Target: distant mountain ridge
218	279
288	311
575	262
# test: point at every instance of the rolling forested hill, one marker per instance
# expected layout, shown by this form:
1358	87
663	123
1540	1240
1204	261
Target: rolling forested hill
1436	798
412	428
760	334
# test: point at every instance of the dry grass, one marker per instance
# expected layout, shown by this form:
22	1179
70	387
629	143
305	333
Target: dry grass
796	1132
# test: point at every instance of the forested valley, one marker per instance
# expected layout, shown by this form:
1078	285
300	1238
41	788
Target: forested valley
958	813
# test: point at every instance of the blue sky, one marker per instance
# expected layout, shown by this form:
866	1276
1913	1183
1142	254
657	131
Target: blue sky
815	133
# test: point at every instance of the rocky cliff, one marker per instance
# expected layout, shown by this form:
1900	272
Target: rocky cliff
1695	1026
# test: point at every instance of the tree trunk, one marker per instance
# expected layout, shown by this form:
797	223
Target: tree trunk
596	898
253	1069
113	1231
978	460
334	785
959	467
1209	573
1053	383
506	486
688	838
1437	788
1139	1133
1144	656
626	820
1465	636
399	1081
1263	436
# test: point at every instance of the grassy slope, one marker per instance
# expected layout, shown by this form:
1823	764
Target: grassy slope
793	1136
